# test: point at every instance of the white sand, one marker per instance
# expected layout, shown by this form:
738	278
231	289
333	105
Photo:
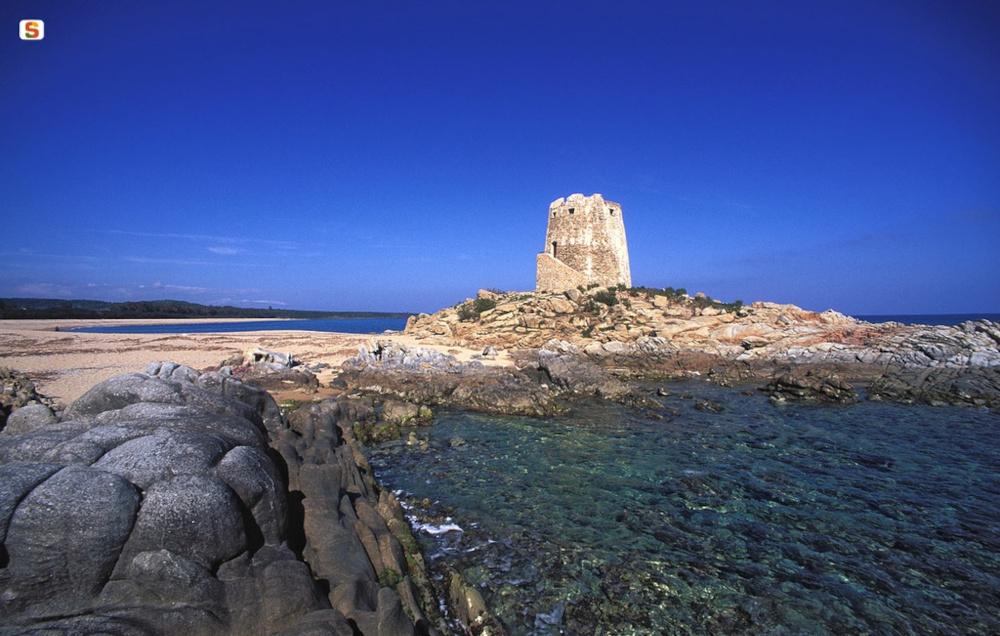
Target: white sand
65	364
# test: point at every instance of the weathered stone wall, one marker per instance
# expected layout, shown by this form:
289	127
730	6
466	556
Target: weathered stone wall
587	234
554	274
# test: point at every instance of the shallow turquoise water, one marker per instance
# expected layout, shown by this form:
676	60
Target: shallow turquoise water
863	519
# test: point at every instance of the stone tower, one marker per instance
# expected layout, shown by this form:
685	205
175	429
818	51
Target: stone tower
584	244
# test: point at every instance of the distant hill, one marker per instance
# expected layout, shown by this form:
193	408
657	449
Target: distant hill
37	308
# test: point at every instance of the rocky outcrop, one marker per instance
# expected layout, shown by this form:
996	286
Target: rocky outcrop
940	386
424	376
564	367
540	383
271	370
600	315
171	502
353	533
810	385
661	333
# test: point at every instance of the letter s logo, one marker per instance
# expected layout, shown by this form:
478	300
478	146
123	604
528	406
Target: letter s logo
32	29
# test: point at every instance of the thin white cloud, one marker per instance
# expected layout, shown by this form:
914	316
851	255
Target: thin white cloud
210	238
180	261
224	251
45	290
183	288
102	291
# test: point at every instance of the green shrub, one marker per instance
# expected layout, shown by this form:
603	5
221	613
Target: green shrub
483	304
607	297
472	310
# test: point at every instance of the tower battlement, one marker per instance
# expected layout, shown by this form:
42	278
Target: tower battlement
584	244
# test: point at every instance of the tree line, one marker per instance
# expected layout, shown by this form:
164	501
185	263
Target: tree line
47	308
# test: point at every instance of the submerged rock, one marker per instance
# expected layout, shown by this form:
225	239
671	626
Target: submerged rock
470	608
805	384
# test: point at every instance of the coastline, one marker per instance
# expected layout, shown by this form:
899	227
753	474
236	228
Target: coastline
65	364
535	354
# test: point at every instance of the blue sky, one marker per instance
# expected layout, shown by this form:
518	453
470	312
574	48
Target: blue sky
401	155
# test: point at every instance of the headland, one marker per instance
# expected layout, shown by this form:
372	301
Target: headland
587	340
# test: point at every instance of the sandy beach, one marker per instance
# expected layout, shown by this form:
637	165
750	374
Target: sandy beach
64	364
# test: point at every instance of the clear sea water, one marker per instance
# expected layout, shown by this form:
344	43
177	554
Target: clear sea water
869	518
341	325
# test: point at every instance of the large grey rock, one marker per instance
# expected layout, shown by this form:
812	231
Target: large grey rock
255	397
173	593
575	374
124	390
147	418
34	447
172	371
129	505
253	476
28	418
64	539
156	506
333	548
321	623
392	620
197	517
16	481
164	454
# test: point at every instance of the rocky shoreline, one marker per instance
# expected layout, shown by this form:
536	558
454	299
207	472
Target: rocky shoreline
594	341
174	501
181	501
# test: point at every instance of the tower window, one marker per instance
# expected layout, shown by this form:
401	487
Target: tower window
612	211
553	249
572	210
554	215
